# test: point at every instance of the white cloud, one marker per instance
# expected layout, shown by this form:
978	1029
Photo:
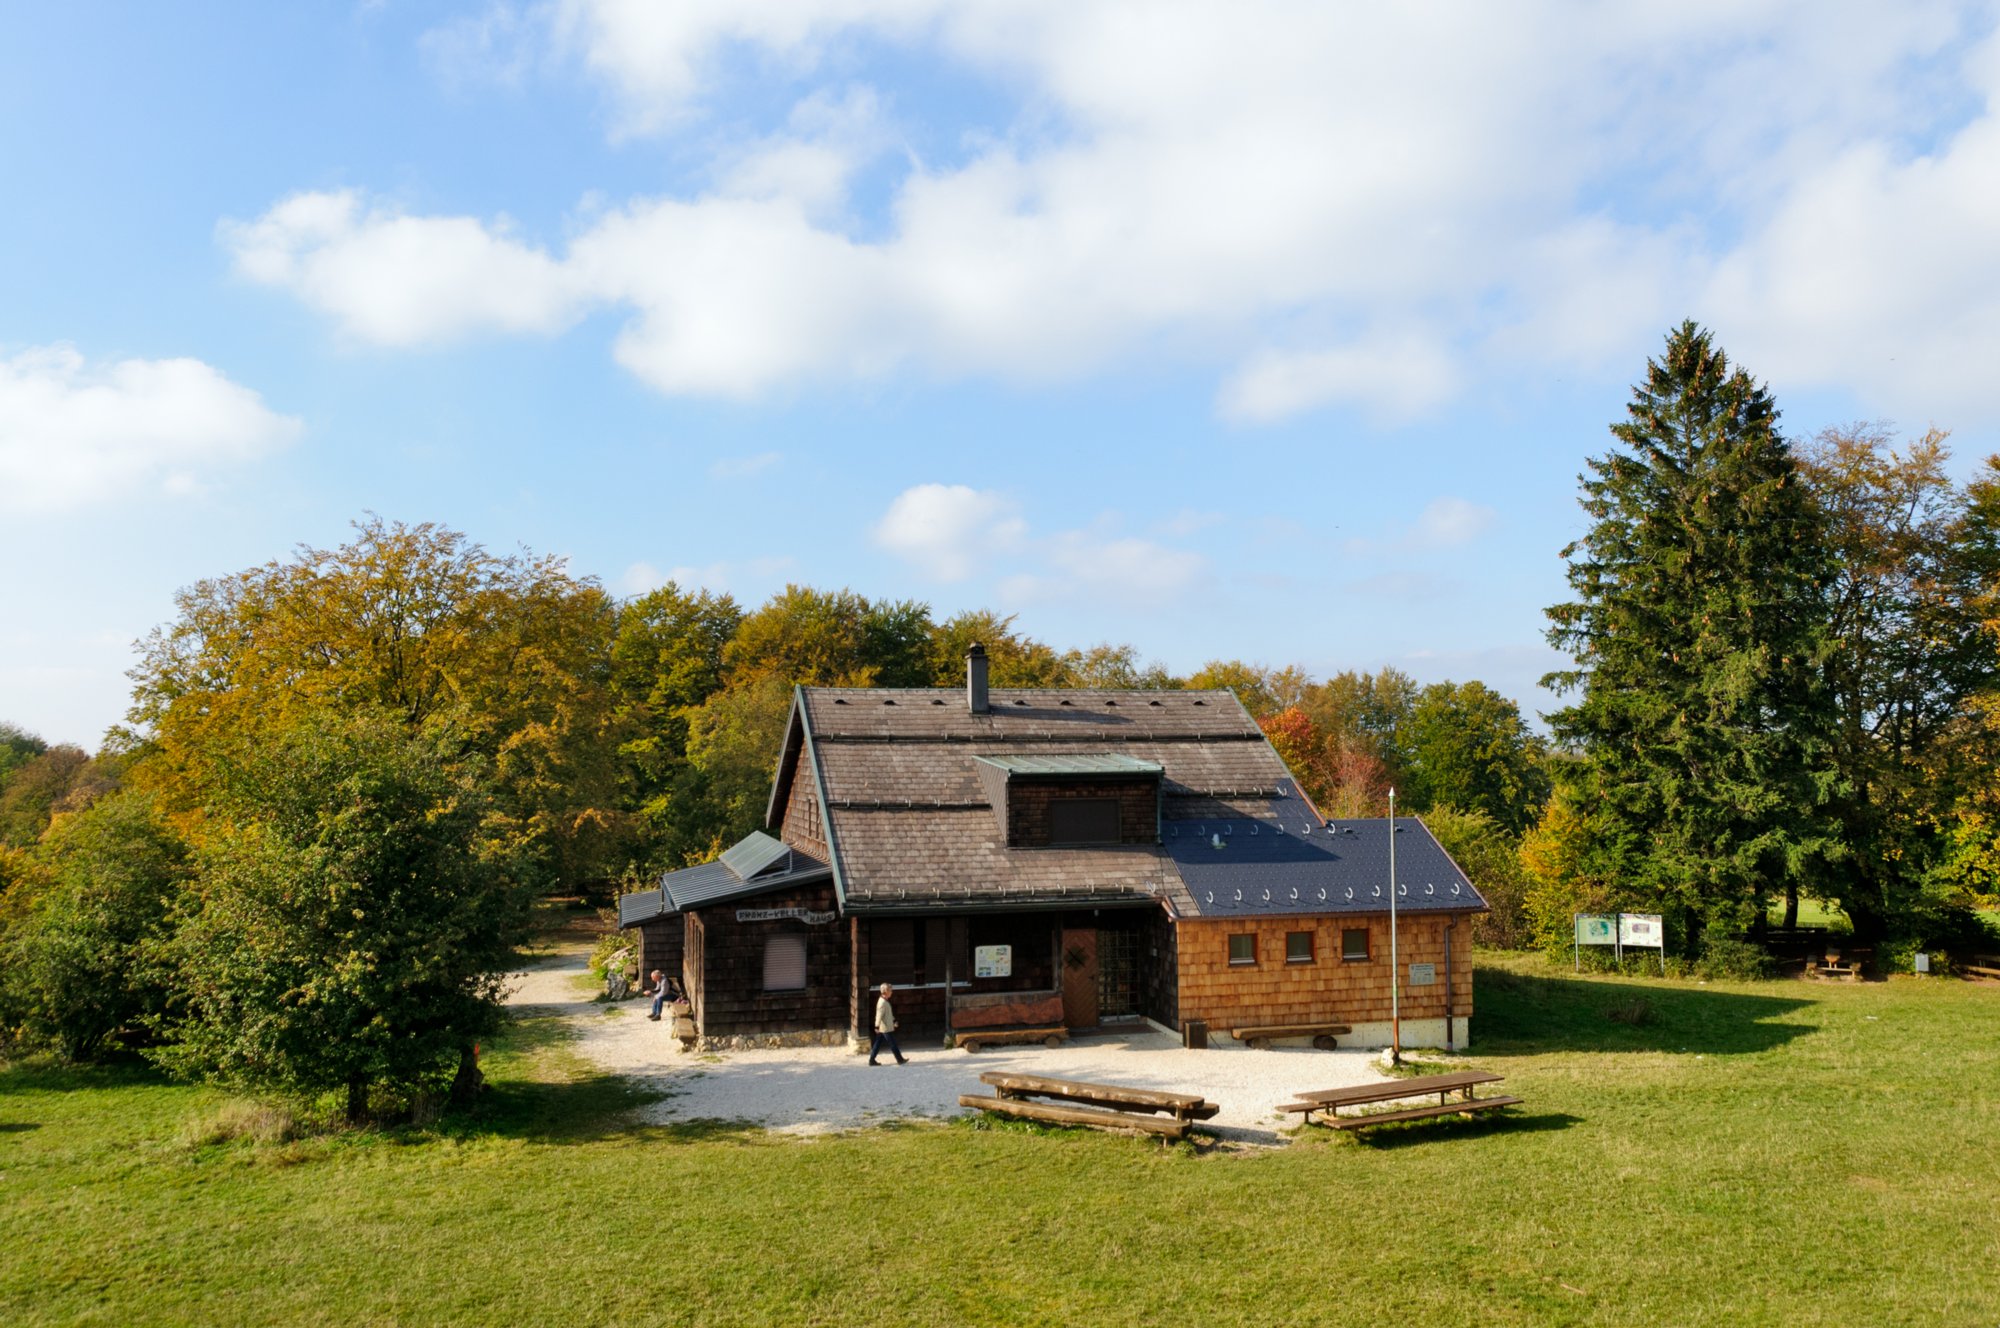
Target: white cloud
755	575
953	531
1325	205
949	530
399	280
72	433
743	468
1447	522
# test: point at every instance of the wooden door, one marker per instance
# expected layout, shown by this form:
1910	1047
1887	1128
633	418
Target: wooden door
1079	977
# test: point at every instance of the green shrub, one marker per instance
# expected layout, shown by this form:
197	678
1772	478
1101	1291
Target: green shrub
1727	957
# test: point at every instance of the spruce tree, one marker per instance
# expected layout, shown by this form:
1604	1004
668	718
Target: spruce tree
1701	726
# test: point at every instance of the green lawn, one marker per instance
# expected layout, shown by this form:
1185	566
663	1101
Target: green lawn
1779	1153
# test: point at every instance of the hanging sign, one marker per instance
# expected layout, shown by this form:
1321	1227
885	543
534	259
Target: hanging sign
804	915
1641	929
993	961
1597	929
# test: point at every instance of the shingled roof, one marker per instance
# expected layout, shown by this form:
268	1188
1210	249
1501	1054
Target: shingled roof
910	825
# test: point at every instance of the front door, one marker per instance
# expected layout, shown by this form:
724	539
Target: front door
1079	977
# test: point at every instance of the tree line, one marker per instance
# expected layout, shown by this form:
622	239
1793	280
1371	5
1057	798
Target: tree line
346	775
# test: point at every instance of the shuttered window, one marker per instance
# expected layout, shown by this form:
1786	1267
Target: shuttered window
785	962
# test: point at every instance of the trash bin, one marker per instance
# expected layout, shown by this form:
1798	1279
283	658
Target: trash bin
1194	1034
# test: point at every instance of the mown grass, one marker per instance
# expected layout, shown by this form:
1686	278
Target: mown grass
1741	1154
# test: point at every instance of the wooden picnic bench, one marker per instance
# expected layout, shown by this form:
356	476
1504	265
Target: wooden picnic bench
1106	1106
1327	1103
1983	965
1181	1106
1262	1035
974	1039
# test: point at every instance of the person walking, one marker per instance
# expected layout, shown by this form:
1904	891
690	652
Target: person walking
885	1030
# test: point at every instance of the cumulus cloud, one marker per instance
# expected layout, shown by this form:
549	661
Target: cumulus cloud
399	280
953	532
1325	206
949	530
72	433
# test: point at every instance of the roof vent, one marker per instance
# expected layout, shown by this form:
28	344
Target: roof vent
840	700
1200	702
936	701
887	701
1152	703
1020	703
1064	701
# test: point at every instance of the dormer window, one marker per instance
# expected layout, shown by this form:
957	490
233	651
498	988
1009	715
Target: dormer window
1083	821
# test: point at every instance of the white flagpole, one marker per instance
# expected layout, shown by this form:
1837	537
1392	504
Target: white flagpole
1395	967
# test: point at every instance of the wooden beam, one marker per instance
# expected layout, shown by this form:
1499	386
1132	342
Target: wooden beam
1054	1115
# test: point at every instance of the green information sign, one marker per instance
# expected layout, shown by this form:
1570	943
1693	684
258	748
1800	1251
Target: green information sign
1597	929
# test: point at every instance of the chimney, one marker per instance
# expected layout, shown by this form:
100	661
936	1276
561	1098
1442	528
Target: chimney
975	678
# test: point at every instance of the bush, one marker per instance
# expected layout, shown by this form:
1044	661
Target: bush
1729	958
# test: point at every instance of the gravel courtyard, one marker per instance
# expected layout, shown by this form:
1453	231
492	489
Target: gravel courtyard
817	1090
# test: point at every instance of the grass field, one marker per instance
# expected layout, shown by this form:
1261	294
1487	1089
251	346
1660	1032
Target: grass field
1776	1153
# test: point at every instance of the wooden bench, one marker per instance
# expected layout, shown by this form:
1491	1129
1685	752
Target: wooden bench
1985	966
974	1039
1052	1114
1181	1106
1328	1102
1323	1035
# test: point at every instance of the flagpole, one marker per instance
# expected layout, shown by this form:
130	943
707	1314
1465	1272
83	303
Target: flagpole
1395	967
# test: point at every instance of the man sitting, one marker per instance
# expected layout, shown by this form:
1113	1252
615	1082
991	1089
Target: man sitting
663	992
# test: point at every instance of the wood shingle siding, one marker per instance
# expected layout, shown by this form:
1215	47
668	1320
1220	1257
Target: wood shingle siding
734	1003
1328	990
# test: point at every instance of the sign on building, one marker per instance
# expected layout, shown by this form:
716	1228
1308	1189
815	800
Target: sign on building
1423	975
993	961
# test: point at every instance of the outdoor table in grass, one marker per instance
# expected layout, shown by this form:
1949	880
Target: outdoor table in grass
1327	1102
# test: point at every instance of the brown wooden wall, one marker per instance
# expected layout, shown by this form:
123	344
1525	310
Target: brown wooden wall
731	998
1028	808
662	945
1159	967
800	826
1328	990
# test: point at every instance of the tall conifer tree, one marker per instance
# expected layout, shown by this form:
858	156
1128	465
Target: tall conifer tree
1701	610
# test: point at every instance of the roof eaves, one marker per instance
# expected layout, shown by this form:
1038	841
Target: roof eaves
811	755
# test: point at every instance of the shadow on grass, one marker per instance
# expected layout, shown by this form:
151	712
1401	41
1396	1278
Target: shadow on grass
1439	1129
17	1127
1522	1014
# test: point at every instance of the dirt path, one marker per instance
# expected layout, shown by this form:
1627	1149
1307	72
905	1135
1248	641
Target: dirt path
819	1090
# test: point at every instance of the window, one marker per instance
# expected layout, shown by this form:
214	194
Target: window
1083	821
785	962
1242	948
1298	947
1354	945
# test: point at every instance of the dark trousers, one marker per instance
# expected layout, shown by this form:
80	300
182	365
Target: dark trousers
880	1041
659	1000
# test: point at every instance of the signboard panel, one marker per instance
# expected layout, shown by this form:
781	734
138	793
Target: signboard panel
1423	975
1641	929
1597	929
993	961
804	915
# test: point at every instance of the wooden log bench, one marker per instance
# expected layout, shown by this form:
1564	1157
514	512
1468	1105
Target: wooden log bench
1985	966
1181	1106
1052	1114
1327	1103
1263	1035
974	1039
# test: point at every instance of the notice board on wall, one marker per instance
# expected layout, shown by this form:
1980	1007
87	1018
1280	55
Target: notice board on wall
993	961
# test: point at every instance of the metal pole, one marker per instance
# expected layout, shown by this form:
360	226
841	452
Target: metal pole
1448	1044
1395	965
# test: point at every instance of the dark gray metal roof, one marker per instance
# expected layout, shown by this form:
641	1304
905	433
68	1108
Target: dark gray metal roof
1297	864
1076	763
717	882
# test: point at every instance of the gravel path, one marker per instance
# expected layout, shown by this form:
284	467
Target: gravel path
819	1090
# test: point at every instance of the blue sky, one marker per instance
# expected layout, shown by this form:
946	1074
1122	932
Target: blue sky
1269	331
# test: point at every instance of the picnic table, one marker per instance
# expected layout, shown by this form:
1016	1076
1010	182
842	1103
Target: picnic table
1106	1106
1327	1103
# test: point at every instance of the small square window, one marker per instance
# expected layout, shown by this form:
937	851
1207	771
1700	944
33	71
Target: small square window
785	962
1242	948
1354	945
1298	947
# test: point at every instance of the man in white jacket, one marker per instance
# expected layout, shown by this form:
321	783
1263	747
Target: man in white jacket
885	1030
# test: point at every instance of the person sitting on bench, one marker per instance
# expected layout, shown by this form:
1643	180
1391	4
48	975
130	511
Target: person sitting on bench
664	993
